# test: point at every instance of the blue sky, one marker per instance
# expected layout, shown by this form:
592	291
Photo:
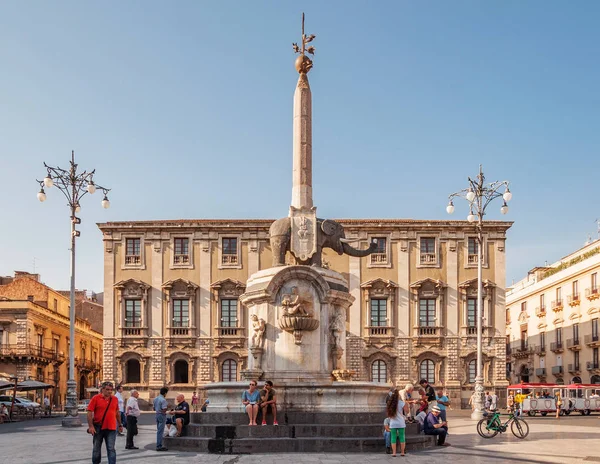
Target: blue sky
184	109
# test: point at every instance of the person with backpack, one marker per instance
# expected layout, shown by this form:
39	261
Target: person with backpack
104	419
396	408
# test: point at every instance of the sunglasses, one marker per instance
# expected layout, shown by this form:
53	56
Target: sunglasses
253	385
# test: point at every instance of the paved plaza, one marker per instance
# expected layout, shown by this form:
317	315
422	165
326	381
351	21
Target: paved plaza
567	440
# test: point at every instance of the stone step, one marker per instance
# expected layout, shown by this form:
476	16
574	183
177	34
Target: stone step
241	418
291	431
291	445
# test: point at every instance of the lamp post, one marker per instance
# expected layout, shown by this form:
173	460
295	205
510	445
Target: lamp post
74	185
479	195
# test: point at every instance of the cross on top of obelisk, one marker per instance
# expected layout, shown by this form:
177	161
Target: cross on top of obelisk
303	63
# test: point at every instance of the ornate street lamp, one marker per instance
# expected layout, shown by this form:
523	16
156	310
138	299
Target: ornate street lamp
479	195
74	186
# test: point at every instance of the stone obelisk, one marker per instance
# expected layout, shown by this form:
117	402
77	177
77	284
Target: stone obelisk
302	164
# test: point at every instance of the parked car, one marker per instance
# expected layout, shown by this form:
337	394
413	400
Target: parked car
20	403
82	405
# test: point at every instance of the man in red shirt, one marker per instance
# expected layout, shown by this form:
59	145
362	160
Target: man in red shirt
103	416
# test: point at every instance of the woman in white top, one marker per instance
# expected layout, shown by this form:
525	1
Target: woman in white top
396	408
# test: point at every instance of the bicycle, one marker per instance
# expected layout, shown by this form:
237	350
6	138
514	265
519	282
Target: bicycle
489	427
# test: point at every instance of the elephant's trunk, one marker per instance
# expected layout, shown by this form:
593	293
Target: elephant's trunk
356	252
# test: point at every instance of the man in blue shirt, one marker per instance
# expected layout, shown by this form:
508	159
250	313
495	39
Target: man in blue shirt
442	402
435	426
160	408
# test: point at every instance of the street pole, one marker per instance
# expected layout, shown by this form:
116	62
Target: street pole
479	195
74	186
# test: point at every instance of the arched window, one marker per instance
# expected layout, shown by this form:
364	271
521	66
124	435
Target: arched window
427	370
229	371
379	371
576	379
560	381
180	371
133	371
595	379
472	371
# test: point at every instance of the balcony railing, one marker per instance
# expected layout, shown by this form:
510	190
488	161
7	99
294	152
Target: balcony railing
592	340
574	299
557	370
380	331
134	331
181	259
472	330
379	258
472	259
540	311
556	347
573	344
591	365
574	368
133	260
428	258
180	331
540	350
592	293
230	331
228	259
428	331
30	350
86	364
540	372
557	305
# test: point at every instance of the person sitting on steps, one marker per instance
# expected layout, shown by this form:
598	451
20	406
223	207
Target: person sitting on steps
181	414
268	397
250	399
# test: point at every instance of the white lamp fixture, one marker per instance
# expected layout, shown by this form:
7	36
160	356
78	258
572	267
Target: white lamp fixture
105	202
471	217
470	195
450	207
507	196
504	208
41	195
91	188
77	207
48	182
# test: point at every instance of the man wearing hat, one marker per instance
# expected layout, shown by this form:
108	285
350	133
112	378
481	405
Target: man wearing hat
434	425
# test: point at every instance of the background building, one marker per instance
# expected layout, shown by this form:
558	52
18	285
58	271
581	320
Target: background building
552	321
34	337
172	315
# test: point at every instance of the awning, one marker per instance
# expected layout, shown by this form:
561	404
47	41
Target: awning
6	384
28	385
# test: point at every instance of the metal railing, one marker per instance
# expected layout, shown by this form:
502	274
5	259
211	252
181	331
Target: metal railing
573	343
133	260
557	370
181	259
557	305
573	299
592	293
592	339
229	259
540	372
556	346
574	368
472	259
14	350
590	365
428	258
378	258
540	311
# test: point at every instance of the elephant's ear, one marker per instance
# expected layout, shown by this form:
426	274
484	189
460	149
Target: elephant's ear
328	227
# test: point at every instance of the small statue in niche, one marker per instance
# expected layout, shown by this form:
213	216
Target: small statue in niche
293	304
259	326
338	327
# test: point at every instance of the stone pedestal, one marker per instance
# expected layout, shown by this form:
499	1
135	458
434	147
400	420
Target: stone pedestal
304	310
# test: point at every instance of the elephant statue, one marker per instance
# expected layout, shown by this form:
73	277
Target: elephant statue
330	234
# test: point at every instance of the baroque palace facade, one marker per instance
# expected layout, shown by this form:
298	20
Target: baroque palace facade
34	337
172	314
552	321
